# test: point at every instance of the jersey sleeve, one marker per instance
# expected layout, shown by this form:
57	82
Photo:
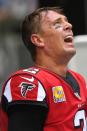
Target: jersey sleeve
23	89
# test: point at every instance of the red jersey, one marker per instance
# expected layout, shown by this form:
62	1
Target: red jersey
67	109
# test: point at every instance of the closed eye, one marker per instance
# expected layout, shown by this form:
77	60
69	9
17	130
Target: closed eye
57	25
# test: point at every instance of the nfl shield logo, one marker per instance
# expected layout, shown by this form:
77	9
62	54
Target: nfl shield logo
58	94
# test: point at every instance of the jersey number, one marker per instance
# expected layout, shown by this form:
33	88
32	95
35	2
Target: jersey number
80	117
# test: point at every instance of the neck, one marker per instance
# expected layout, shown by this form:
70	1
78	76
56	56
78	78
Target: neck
58	68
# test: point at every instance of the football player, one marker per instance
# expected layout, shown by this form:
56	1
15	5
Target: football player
47	96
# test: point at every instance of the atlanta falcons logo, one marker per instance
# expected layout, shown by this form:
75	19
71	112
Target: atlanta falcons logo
25	87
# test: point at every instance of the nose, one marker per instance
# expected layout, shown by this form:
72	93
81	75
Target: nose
67	26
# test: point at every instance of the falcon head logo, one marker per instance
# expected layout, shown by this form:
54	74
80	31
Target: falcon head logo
25	87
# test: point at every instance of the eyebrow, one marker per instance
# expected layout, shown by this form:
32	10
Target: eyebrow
59	19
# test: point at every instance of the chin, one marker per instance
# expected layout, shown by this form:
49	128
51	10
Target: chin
71	50
70	53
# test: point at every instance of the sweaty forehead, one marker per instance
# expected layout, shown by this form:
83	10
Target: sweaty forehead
51	16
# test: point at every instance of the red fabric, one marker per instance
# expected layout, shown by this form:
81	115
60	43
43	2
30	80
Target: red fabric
66	108
4	121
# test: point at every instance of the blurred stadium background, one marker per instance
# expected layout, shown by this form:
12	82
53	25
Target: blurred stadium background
14	55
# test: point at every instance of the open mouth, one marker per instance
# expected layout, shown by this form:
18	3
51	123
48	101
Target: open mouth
68	39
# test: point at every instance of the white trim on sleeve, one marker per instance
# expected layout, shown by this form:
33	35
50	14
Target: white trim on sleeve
7	92
41	92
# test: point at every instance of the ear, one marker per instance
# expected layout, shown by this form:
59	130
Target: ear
37	40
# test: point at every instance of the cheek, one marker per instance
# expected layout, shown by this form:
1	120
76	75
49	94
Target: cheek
49	45
55	41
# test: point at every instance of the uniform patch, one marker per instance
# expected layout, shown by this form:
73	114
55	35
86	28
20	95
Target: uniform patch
58	94
25	87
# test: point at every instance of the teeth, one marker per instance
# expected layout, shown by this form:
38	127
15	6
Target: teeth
68	36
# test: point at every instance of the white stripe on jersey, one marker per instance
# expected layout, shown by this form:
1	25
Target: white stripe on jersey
41	92
7	92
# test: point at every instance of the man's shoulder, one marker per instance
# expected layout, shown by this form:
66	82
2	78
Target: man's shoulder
34	71
31	71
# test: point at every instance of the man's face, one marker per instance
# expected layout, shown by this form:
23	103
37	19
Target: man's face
57	34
